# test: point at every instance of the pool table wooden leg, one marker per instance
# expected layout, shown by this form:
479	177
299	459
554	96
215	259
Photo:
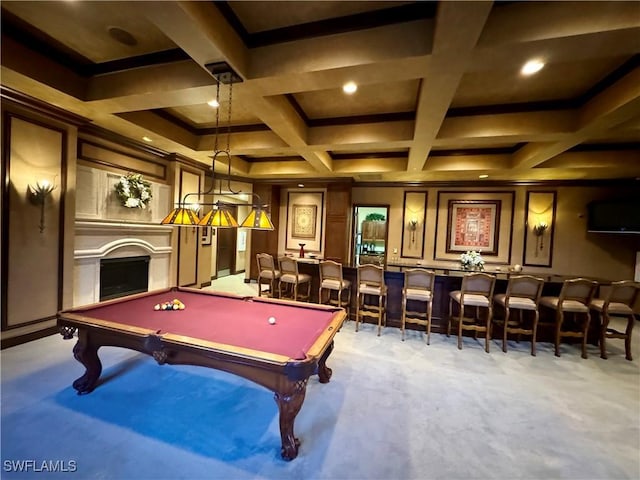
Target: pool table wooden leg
324	372
289	404
87	354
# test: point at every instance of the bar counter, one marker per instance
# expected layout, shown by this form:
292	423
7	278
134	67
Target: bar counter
447	279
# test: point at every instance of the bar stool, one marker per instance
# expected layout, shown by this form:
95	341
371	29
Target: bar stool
618	303
476	291
523	294
575	297
371	283
331	281
267	274
418	287
292	279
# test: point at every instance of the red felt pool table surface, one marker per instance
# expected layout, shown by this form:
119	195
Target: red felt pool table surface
222	318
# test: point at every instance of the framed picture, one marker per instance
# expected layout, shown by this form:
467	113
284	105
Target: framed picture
206	236
539	226
473	225
304	220
471	220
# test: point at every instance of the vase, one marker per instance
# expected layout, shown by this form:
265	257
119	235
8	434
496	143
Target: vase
302	249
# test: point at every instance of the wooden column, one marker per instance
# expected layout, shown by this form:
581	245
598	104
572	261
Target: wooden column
337	237
266	241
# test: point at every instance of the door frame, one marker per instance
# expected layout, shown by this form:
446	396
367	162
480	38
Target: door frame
354	229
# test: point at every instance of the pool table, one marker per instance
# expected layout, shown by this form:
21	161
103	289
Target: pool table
217	330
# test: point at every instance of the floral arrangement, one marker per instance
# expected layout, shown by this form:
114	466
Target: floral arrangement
133	191
472	260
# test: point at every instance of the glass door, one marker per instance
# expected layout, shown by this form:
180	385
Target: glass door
370	234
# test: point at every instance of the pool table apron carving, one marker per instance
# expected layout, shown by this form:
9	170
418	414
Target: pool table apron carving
286	377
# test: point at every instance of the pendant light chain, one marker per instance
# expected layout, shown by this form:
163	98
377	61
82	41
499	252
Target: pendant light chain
228	150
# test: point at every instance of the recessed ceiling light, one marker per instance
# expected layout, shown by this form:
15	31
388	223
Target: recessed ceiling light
350	87
147	139
531	67
301	185
213	103
484	175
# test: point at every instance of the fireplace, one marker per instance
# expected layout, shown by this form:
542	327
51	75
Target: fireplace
123	276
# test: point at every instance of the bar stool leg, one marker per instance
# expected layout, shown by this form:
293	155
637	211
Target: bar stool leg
429	304
358	310
379	314
627	338
404	313
559	319
504	330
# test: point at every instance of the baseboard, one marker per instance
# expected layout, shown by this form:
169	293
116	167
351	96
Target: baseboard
28	337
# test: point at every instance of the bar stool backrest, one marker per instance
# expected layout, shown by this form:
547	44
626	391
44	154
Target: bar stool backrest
371	275
288	266
478	284
330	270
266	263
525	286
578	289
625	292
419	279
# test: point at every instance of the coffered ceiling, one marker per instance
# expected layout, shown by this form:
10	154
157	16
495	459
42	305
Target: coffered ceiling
440	95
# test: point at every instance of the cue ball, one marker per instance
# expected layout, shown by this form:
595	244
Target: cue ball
272	320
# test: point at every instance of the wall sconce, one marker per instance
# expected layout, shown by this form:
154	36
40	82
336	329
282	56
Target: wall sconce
413	226
538	231
38	196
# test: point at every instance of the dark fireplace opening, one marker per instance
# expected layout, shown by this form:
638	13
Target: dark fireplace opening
123	276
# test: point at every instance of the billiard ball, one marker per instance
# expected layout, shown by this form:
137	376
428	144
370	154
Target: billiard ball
272	320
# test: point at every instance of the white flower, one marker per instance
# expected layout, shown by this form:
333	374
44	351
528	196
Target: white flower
472	259
131	202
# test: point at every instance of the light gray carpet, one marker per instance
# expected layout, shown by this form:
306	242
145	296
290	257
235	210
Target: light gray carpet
393	410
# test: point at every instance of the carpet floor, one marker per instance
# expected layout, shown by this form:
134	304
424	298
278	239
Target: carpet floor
393	410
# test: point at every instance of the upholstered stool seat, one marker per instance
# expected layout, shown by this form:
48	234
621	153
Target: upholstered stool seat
371	285
575	297
331	282
418	287
476	291
267	275
291	279
523	294
618	303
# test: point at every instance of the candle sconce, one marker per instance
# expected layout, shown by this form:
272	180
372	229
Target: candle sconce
538	231
413	226
38	196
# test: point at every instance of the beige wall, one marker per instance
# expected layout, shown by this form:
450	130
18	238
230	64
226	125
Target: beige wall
37	148
575	252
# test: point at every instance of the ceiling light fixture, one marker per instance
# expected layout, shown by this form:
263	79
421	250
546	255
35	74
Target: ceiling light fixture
213	103
484	175
531	67
220	215
350	87
147	139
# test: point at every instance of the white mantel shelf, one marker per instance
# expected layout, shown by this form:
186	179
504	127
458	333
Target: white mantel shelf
134	227
98	239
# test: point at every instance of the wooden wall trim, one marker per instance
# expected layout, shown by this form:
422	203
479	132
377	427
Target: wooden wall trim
106	163
25	101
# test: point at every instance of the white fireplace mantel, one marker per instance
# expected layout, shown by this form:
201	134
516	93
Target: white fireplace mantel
99	239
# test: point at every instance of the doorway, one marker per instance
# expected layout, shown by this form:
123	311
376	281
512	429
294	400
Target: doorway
370	234
226	249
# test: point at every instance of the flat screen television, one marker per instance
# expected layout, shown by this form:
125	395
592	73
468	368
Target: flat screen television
614	216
